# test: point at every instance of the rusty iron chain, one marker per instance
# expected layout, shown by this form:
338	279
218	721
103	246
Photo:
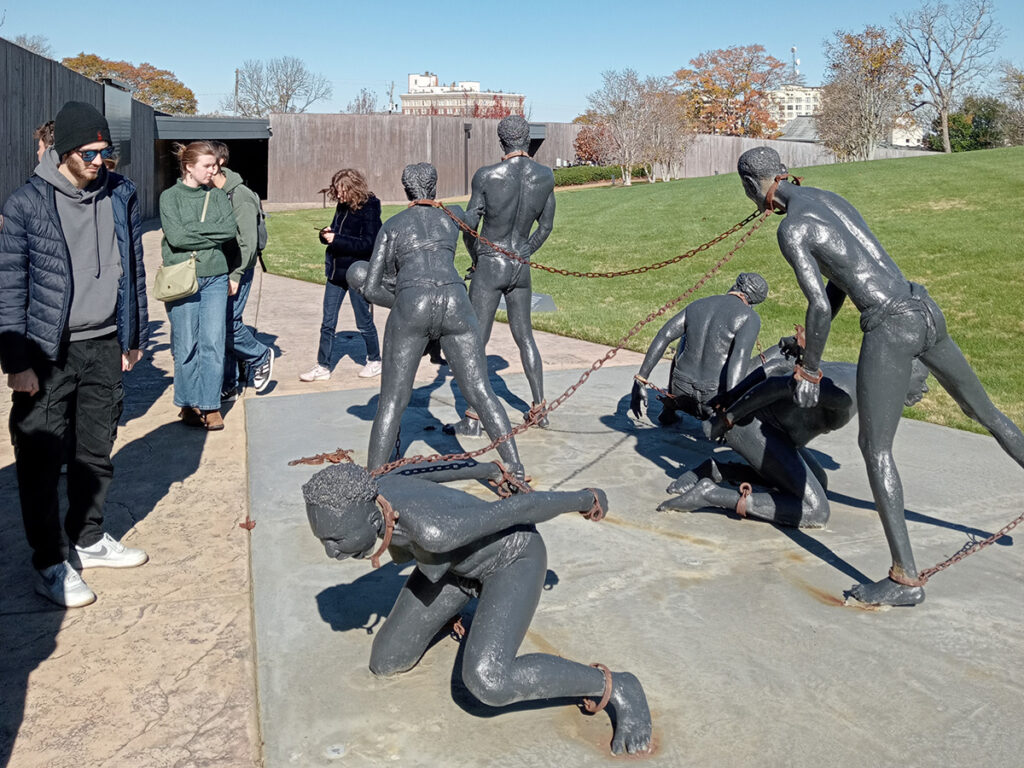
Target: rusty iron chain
558	401
969	549
573	273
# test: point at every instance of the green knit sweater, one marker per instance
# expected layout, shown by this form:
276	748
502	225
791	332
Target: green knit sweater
181	209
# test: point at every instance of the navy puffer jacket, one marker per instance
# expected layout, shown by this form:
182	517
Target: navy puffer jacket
354	235
35	274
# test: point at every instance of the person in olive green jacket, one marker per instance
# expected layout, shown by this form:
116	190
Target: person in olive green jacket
197	221
244	354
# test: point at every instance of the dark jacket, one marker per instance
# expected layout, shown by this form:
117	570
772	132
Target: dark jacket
354	234
35	274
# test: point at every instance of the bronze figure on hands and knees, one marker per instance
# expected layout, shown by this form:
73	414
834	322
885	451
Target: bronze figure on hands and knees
465	547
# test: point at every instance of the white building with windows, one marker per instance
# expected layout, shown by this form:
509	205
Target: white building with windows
427	97
792	101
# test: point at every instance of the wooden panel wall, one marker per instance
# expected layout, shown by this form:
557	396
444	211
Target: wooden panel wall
306	150
32	91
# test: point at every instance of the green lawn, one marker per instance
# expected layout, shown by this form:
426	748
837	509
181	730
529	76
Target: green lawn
953	223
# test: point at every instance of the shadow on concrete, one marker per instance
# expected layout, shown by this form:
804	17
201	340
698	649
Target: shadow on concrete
364	603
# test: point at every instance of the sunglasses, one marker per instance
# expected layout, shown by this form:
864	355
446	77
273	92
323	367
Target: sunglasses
89	155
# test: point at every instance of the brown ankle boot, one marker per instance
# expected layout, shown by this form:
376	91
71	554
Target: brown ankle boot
214	421
191	417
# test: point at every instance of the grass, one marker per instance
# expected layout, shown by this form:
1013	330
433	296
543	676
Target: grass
952	223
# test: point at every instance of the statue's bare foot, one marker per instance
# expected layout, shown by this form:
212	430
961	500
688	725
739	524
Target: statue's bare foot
542	422
466	428
886	592
683	483
632	717
695	498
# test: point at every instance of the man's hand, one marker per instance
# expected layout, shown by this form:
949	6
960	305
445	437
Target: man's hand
637	398
805	393
25	381
233	287
130	358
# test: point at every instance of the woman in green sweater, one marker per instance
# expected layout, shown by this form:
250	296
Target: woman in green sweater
198	220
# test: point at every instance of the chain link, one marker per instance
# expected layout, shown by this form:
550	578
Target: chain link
558	401
572	273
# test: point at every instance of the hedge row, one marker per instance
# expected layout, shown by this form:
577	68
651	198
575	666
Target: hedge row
587	174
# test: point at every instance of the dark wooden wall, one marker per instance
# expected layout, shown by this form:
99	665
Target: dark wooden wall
306	150
32	91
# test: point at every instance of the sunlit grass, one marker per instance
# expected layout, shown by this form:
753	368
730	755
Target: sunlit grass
953	223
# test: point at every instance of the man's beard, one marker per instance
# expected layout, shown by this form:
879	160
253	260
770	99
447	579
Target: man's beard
79	170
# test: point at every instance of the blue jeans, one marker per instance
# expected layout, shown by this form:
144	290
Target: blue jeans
333	296
242	346
198	327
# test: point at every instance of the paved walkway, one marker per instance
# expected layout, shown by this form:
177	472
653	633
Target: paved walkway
160	670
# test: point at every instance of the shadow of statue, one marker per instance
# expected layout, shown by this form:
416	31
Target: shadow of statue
364	603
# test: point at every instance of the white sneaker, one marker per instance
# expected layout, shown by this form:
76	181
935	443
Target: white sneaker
316	373
61	584
370	370
108	552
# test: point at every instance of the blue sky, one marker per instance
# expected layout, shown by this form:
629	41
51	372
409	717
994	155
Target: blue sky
554	52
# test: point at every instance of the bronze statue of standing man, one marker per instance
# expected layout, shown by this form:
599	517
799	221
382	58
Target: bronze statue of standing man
823	237
510	196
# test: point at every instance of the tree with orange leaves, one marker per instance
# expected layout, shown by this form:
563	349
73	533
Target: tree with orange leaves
159	88
726	91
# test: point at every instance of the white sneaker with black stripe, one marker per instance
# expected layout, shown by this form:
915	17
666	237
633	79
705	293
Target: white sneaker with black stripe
108	552
62	585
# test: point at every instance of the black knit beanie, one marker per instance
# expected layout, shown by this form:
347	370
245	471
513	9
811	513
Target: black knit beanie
78	124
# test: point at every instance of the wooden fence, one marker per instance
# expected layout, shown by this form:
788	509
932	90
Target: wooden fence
306	150
32	91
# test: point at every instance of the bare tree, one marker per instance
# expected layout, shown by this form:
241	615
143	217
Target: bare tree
363	104
35	43
1012	91
391	97
667	129
866	93
617	105
276	85
952	46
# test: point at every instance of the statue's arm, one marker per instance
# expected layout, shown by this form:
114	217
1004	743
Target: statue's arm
769	391
794	243
455	527
545	223
669	332
382	259
474	210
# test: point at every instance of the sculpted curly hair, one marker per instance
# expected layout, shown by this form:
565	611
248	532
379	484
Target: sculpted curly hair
760	163
514	132
339	483
420	181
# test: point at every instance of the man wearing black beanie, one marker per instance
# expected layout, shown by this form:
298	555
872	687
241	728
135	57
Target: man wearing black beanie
73	317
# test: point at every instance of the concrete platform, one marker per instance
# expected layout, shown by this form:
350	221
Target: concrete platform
736	628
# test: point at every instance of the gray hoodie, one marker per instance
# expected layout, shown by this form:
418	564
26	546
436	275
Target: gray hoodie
87	220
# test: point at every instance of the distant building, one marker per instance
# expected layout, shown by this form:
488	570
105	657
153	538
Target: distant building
792	101
427	97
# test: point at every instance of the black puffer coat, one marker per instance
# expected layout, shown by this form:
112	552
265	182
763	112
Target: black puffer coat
35	274
354	235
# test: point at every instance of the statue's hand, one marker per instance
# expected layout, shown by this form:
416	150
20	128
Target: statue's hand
597	504
638	398
720	424
790	347
805	393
